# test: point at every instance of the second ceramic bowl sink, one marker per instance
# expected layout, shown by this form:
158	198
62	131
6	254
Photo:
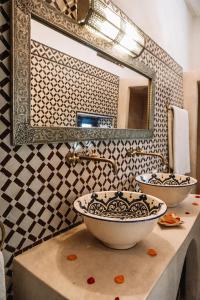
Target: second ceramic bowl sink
171	188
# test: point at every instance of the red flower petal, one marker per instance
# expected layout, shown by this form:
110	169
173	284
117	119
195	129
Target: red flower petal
197	196
90	280
72	257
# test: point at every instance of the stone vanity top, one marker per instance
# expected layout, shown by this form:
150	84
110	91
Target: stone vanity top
47	263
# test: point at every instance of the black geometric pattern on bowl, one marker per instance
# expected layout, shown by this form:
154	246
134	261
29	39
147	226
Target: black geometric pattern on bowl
170	180
121	206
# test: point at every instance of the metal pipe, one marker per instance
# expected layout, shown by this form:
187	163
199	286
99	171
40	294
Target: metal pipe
73	158
138	151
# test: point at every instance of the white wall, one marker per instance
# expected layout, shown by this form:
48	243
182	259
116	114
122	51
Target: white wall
167	22
196	44
191	104
191	91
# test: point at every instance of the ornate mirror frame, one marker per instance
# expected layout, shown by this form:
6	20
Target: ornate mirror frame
23	133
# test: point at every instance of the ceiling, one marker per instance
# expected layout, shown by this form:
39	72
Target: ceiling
194	7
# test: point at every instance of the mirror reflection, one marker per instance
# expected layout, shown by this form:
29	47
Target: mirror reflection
74	86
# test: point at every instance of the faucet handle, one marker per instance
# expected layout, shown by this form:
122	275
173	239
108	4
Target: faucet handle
129	151
72	158
166	167
76	147
138	149
94	153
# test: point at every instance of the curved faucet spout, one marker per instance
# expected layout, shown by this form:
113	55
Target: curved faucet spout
97	158
73	158
139	151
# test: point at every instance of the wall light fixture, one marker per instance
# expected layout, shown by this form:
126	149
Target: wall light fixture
99	15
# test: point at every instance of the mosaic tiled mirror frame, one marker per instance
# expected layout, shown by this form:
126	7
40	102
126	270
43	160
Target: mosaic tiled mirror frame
23	133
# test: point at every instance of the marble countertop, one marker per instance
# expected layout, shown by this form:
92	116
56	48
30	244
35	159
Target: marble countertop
47	262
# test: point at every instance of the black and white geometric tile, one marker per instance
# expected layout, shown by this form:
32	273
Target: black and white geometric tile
68	7
38	187
62	86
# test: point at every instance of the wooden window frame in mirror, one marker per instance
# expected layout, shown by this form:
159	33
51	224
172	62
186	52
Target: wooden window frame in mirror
23	133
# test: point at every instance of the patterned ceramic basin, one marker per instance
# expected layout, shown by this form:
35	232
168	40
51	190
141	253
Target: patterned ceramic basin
171	188
120	219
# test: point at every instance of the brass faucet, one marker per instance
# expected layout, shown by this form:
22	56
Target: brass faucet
75	157
138	151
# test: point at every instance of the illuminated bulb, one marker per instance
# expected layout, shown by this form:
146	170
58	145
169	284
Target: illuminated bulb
112	26
123	50
128	43
97	33
105	28
112	17
132	32
109	30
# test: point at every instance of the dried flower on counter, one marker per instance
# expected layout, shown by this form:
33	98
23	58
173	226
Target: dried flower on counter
90	280
152	252
187	213
171	218
119	279
72	257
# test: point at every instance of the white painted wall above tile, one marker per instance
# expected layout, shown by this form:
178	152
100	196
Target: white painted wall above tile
194	6
169	23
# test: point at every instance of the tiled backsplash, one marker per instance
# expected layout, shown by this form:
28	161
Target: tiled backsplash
38	188
57	77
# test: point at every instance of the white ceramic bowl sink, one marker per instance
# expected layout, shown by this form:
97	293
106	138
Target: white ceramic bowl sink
171	188
120	219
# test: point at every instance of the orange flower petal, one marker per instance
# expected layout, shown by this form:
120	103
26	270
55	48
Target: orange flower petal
171	218
170	222
195	203
152	252
72	257
119	279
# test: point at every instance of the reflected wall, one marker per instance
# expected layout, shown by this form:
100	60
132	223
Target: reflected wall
69	79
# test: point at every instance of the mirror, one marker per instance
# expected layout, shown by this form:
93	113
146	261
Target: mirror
74	86
75	91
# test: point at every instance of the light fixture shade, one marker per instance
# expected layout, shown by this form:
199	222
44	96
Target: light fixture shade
100	16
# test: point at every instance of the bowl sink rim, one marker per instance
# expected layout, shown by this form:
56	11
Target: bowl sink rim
138	179
162	211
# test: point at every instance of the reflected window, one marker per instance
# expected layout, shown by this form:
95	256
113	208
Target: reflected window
93	120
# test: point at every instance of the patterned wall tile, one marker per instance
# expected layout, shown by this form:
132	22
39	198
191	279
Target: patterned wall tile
62	86
68	7
38	187
161	54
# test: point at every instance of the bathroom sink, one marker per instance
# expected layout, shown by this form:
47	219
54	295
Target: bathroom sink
171	188
120	219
